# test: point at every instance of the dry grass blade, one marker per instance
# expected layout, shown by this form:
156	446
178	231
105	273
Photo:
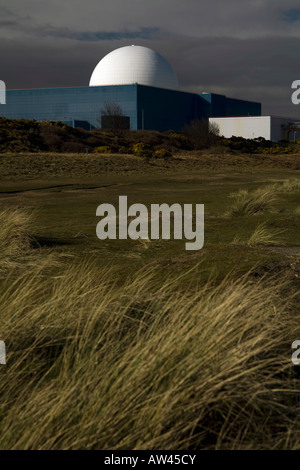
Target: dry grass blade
262	235
251	203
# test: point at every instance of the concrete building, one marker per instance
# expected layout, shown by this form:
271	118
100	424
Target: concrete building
140	81
274	128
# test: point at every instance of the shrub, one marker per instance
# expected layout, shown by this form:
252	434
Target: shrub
201	134
45	124
124	150
73	147
20	135
142	150
179	140
277	149
103	149
139	148
162	153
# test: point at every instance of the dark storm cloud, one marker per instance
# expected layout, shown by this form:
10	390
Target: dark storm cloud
291	15
94	36
243	48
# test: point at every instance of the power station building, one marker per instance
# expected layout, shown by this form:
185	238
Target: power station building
136	79
274	128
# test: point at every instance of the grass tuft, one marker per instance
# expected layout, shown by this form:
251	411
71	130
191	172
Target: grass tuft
251	203
142	366
262	235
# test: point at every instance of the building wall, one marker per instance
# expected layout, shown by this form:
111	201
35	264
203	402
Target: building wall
164	110
251	127
277	129
236	107
147	107
69	104
217	103
221	106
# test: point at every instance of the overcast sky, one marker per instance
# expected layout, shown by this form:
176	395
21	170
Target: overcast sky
245	49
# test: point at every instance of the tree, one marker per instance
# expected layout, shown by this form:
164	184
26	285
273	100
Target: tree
201	133
113	119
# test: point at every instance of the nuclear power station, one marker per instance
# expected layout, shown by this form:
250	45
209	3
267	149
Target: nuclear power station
143	85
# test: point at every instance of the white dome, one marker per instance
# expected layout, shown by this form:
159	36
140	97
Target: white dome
134	64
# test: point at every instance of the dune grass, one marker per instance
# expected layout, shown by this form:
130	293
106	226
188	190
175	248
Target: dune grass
288	185
262	235
143	365
251	203
14	231
16	242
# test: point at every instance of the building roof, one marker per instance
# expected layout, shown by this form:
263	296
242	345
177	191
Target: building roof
134	64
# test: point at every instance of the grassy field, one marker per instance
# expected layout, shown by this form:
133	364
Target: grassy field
123	344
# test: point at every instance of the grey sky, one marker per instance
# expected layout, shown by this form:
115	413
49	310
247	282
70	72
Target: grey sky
242	48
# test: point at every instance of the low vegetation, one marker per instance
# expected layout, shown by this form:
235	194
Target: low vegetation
139	344
262	235
251	203
23	135
94	365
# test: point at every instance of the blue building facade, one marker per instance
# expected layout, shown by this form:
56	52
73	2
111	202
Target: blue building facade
147	107
221	106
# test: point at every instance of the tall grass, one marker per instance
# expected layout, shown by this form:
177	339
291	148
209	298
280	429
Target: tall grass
289	185
14	231
262	235
95	365
17	241
251	203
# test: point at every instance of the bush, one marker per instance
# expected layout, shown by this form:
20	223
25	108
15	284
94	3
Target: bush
201	134
162	153
141	150
278	149
259	145
103	149
73	147
20	135
124	150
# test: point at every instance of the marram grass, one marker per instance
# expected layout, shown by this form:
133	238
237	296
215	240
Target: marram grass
95	365
252	203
